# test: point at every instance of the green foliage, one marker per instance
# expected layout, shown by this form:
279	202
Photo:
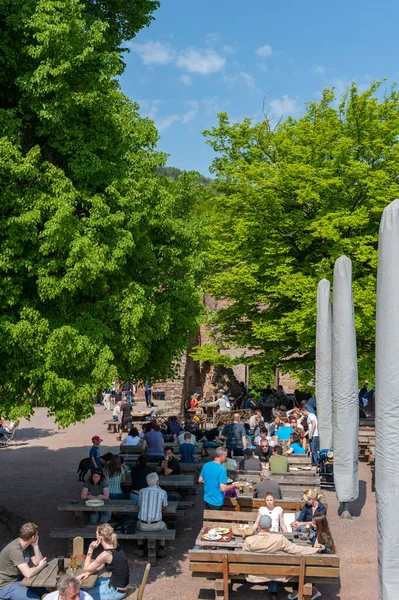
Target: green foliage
98	255
211	353
290	201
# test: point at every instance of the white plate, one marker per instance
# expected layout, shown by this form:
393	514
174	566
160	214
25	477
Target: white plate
94	502
215	538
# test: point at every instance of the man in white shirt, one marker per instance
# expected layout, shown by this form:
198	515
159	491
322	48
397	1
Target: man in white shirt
68	588
313	434
152	502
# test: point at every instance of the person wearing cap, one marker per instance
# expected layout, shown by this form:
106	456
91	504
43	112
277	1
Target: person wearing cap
272	543
249	462
194	401
94	454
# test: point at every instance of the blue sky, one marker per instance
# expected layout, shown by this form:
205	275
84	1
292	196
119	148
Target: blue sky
200	58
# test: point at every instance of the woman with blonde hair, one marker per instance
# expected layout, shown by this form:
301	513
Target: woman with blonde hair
311	508
113	559
276	513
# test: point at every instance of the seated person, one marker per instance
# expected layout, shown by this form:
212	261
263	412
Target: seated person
174	426
132	438
311	508
262	436
139	474
283	433
249	463
168	435
250	402
222	402
274	425
195	431
96	488
68	588
152	503
256	419
276	513
194	400
6	428
187	450
169	465
277	462
264	451
210	438
182	437
267	485
294	422
295	445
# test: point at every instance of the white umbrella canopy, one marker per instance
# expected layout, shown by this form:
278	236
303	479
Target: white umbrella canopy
387	402
323	364
345	412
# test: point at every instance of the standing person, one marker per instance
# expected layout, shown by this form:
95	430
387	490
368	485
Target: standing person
313	434
187	449
127	390
15	562
272	543
214	478
147	393
96	488
117	411
152	502
68	588
113	559
153	442
235	435
94	454
107	399
125	417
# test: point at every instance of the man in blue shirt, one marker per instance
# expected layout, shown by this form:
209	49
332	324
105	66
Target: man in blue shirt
214	478
94	455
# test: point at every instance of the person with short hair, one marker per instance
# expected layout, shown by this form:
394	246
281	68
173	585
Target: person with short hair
182	436
187	450
264	451
15	563
125	415
94	454
261	437
152	503
267	485
210	437
235	435
277	462
139	477
113	559
272	543
313	434
68	588
222	402
117	411
169	465
214	478
249	463
256	420
153	443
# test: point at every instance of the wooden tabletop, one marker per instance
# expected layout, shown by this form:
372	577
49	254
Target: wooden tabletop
48	577
139	449
185	481
238	538
120	506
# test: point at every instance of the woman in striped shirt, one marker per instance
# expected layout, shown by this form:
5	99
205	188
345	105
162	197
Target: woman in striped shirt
115	476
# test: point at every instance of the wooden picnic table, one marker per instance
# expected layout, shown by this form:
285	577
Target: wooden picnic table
139	450
118	506
48	577
172	482
237	539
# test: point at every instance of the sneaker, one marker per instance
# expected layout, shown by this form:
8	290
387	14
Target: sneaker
316	595
293	596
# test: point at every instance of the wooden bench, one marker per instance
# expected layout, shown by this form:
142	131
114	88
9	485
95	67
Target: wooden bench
113	426
131	460
253	504
292	485
226	567
89	532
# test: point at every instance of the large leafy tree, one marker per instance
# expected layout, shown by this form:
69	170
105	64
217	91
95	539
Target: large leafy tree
292	199
98	253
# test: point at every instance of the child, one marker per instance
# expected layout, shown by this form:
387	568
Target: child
187	450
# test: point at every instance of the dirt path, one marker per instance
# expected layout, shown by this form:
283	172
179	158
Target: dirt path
39	472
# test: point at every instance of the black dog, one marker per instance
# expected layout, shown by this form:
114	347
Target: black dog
85	464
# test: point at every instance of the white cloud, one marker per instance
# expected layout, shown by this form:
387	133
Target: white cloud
166	122
248	79
203	62
319	69
283	107
228	49
211	39
192	113
264	51
186	79
154	53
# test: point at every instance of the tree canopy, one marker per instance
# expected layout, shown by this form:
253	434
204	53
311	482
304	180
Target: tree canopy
291	199
98	253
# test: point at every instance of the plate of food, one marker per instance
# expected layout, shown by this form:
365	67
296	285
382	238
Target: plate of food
244	483
94	502
222	530
229	480
212	537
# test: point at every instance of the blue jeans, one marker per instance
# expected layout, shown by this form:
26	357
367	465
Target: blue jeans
121	496
314	449
211	445
128	395
96	517
174	496
147	395
272	587
16	591
103	591
134	498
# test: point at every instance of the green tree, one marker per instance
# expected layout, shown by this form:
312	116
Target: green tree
292	199
98	254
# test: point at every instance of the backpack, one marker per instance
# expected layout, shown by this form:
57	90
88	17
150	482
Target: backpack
128	525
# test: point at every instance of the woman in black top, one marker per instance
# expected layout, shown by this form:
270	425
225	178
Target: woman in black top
113	559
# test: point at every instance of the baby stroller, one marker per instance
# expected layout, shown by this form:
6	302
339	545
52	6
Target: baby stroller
326	468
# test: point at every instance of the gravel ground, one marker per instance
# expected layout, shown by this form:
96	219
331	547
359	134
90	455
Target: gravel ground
39	472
